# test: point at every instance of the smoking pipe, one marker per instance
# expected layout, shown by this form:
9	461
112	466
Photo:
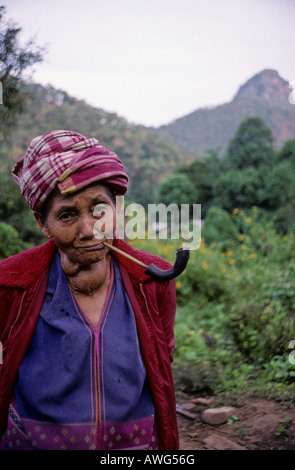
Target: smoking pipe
182	256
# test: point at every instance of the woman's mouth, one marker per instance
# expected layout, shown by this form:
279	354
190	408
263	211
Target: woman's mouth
97	246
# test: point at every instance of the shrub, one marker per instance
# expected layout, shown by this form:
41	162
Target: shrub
219	228
261	332
10	243
279	369
204	278
283	289
235	315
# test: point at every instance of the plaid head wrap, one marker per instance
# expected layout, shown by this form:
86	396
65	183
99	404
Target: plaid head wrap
69	160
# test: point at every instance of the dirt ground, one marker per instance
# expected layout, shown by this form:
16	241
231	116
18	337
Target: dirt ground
259	424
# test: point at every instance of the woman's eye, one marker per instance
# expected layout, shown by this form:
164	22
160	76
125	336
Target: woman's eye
66	216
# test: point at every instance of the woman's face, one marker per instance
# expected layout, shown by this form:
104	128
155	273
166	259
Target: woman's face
71	219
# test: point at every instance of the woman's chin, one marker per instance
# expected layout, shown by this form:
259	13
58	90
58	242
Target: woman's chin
92	257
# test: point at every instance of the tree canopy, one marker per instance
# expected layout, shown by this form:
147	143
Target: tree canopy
14	61
252	144
250	174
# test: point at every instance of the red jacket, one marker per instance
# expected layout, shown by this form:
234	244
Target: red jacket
23	283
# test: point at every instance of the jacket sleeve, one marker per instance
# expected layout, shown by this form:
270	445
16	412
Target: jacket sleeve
167	311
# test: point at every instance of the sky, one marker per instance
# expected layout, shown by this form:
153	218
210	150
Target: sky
153	61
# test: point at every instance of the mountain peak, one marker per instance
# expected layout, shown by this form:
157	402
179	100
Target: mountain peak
265	95
267	86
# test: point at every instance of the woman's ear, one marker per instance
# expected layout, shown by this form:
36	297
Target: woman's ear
43	227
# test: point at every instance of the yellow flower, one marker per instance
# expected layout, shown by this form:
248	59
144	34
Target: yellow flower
231	261
285	237
244	247
202	248
205	266
178	284
229	252
252	255
235	211
191	333
243	259
241	238
248	220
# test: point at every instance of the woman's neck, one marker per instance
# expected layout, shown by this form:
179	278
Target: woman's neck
87	280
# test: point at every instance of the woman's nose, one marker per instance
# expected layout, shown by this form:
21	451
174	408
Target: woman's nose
86	225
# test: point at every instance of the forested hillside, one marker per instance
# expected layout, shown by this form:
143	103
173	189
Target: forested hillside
265	95
147	157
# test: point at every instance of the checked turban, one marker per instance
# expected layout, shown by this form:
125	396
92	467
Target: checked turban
69	160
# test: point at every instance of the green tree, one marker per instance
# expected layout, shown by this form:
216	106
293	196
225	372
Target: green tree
203	174
177	189
280	185
10	242
14	210
14	61
287	152
219	228
251	145
241	188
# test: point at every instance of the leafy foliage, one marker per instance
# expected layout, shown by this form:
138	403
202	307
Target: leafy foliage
219	228
177	189
14	60
235	314
14	209
251	174
251	145
10	242
203	175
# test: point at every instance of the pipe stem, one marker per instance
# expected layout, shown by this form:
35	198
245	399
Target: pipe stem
125	254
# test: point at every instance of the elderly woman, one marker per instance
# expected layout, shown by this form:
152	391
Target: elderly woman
87	336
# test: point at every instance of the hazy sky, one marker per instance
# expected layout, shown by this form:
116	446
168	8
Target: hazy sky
153	61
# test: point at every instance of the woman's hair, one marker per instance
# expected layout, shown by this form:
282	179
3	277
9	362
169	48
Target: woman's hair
47	204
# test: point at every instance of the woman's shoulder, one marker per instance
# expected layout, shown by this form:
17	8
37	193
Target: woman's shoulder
22	269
